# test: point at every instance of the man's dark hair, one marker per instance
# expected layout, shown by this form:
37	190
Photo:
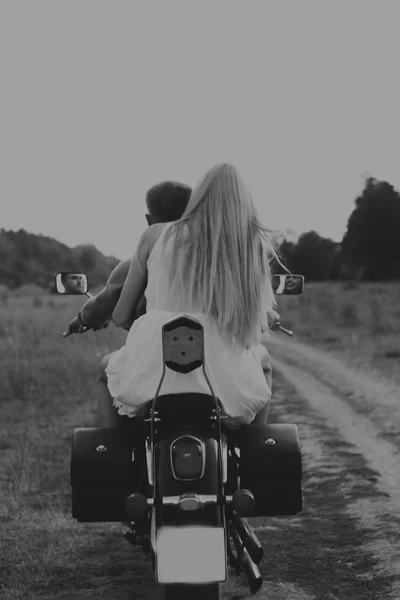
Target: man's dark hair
167	201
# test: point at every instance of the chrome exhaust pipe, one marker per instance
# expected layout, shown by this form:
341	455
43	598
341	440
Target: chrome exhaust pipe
249	538
252	573
245	562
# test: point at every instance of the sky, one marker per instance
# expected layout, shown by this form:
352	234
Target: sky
102	99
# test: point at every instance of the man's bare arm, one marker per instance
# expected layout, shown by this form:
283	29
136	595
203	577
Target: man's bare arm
96	311
99	309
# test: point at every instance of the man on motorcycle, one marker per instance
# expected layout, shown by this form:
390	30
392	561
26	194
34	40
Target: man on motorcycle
165	202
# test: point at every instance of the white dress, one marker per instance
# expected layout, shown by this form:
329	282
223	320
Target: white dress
134	371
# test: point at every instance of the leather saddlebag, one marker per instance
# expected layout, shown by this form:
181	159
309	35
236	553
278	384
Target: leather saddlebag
103	474
271	467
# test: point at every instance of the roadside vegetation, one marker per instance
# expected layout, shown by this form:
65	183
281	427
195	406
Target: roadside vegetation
356	322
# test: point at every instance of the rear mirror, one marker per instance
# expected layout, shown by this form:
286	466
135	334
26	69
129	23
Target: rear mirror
288	284
71	283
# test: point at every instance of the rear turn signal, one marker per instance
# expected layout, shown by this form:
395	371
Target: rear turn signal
243	502
136	505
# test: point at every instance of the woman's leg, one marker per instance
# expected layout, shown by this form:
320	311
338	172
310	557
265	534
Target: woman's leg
109	416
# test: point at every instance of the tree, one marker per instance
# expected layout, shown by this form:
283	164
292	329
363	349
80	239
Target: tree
28	258
286	251
313	256
88	258
372	239
336	264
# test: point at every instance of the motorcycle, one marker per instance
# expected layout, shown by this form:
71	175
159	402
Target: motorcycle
182	482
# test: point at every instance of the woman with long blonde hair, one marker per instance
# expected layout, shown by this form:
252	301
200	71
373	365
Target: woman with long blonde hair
213	265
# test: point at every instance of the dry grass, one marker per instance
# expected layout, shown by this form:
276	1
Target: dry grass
359	323
46	390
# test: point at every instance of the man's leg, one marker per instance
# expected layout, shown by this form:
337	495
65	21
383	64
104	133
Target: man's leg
109	416
262	415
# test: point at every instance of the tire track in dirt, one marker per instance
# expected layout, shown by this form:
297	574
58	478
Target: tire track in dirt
315	380
321	551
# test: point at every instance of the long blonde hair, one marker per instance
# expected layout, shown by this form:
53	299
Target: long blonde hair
223	264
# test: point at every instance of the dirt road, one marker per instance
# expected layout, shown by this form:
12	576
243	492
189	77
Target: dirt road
346	543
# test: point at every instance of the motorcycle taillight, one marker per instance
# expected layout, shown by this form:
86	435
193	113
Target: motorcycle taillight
187	458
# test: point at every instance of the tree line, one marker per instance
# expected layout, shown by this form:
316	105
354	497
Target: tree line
26	258
369	250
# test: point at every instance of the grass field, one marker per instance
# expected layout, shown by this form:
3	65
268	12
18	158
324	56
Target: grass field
46	390
359	323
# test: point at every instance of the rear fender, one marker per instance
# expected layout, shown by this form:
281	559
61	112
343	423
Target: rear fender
190	544
206	483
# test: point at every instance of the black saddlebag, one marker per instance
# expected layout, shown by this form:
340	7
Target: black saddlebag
271	468
103	474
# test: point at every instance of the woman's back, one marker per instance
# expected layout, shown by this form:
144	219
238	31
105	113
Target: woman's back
159	294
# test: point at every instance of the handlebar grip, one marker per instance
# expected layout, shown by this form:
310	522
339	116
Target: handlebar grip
276	325
80	330
287	331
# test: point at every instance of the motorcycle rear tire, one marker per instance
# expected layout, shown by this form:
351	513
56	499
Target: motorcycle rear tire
192	592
